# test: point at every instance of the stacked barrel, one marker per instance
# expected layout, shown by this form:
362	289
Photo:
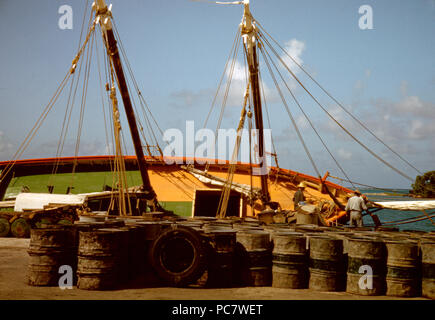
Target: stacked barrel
254	254
428	268
114	253
326	264
49	250
102	258
365	266
289	258
220	272
403	269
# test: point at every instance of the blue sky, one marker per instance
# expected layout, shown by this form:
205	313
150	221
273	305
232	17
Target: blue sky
178	49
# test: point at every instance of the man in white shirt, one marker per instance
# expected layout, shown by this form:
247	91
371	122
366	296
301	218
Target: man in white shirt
355	206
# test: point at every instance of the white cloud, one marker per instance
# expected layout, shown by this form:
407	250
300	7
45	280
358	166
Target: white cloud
294	48
344	154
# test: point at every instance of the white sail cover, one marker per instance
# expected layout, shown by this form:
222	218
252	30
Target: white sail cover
36	201
408	205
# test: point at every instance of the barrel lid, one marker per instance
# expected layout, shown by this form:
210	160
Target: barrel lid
288	234
206	218
252	231
220	231
112	230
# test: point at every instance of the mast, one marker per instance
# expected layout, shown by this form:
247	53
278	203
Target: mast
104	14
249	38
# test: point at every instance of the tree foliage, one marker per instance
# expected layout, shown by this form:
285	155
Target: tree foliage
425	185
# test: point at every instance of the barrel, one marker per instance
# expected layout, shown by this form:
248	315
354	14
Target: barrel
254	260
428	268
101	257
365	266
220	268
20	228
4	227
326	264
136	253
307	214
289	261
49	249
403	272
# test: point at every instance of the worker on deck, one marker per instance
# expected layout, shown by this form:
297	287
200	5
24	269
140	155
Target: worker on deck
355	206
299	196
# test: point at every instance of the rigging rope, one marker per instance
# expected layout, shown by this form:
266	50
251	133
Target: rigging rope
289	113
305	115
338	123
336	101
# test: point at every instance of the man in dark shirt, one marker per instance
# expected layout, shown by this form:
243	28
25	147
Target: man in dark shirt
299	195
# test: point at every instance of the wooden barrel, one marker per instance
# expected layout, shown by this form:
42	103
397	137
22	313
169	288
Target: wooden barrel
362	252
289	261
220	268
5	227
254	260
403	272
428	268
326	264
101	257
49	249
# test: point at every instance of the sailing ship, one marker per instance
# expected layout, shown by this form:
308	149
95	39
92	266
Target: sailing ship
189	189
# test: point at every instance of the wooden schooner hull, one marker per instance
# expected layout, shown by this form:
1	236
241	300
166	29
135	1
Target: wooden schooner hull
179	190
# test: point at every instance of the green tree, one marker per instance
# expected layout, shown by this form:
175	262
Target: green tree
425	185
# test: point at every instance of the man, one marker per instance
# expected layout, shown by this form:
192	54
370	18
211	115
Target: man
355	206
299	195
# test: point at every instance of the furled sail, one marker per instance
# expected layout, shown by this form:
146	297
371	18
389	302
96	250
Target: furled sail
408	205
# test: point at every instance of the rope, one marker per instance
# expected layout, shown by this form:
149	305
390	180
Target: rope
142	100
235	43
415	219
306	116
226	93
361	184
290	114
337	102
345	130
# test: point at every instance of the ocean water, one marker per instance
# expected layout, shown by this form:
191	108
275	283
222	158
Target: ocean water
386	215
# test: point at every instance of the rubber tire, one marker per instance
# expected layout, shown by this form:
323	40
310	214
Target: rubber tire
20	228
195	269
5	227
